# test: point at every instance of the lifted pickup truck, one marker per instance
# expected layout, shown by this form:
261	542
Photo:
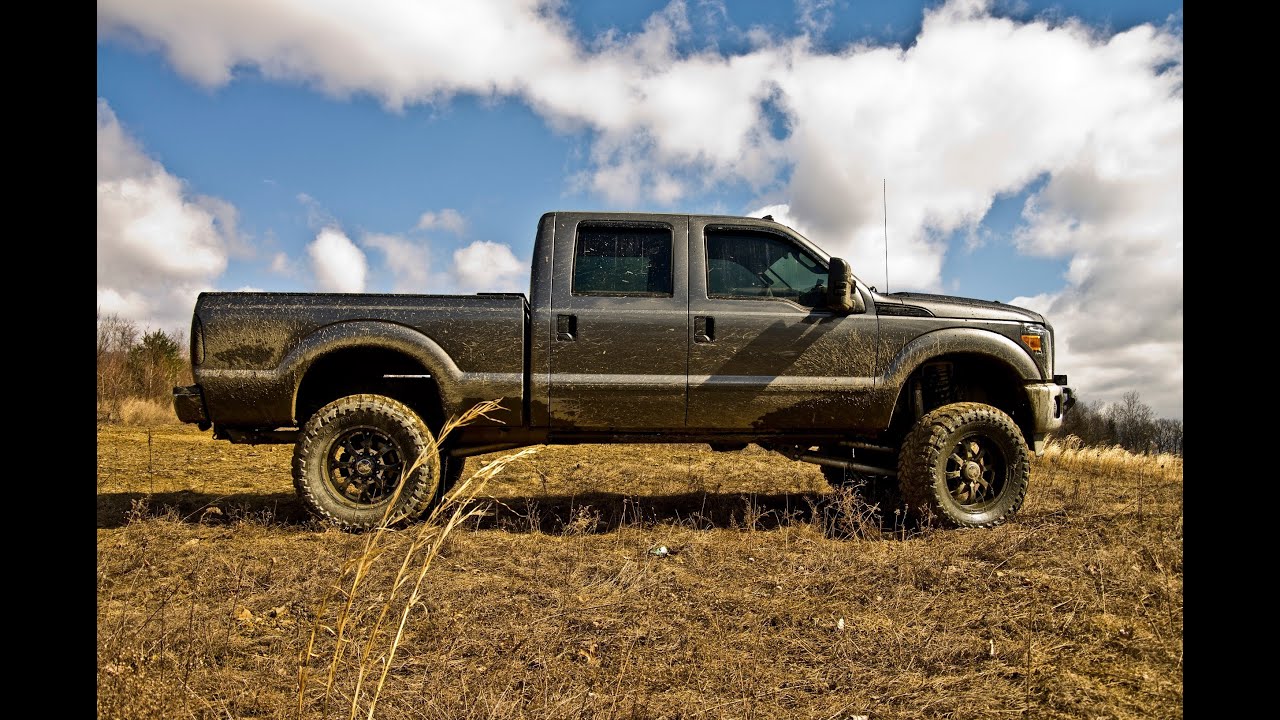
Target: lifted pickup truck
638	328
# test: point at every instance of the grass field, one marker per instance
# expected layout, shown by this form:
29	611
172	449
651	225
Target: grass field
779	597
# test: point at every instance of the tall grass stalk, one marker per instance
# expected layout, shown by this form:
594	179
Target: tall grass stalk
455	505
454	510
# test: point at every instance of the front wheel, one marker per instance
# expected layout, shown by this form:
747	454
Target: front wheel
967	464
353	453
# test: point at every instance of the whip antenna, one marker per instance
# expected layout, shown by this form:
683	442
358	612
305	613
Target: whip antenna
884	193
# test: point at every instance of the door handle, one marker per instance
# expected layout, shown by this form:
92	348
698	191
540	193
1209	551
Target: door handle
566	327
704	329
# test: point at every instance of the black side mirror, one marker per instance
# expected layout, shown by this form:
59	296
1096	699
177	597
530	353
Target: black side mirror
842	298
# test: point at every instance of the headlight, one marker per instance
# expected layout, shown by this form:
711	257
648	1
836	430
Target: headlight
1038	339
1035	337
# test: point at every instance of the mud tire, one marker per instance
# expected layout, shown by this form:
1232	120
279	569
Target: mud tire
350	455
965	464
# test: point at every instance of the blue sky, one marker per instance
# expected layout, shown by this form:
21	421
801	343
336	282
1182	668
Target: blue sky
352	149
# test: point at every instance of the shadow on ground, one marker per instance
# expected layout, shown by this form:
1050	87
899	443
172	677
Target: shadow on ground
117	509
839	513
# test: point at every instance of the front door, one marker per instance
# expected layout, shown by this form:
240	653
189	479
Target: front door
765	353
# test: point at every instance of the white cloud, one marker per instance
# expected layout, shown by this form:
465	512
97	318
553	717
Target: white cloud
815	15
338	265
975	108
129	304
282	265
158	244
317	217
485	266
447	219
781	212
408	261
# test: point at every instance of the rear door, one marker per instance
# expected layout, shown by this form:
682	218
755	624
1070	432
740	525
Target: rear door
620	322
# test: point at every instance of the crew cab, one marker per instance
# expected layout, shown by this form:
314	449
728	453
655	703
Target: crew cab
637	328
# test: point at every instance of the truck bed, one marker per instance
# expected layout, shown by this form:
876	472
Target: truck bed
249	348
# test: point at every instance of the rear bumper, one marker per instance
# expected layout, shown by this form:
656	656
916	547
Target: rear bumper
188	403
1049	404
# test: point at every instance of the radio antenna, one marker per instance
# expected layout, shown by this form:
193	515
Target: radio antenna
884	190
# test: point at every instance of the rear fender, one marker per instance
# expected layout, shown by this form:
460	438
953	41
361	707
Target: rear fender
375	334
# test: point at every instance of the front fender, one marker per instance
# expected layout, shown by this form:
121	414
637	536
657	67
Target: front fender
949	341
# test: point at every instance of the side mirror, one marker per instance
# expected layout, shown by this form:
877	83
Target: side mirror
842	298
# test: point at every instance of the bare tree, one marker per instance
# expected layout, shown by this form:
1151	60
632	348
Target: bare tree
1129	423
116	337
1168	436
1133	420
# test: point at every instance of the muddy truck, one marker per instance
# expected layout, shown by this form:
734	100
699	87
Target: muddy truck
638	328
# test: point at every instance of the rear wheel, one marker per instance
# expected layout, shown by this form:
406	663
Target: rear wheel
967	464
353	453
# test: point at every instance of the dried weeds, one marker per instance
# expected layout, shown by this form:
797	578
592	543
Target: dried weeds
778	596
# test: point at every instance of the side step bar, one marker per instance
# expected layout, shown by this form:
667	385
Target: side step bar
817	458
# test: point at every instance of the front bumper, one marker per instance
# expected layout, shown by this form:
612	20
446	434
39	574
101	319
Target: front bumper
188	403
1049	404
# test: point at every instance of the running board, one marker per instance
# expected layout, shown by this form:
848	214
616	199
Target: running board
810	456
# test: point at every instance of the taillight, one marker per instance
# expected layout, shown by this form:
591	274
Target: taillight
197	340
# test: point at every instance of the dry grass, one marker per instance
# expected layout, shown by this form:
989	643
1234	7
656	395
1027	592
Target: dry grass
779	597
146	413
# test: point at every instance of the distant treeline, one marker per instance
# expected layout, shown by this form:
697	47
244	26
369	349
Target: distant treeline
1130	423
137	365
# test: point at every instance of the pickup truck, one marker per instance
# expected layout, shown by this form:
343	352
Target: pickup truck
638	328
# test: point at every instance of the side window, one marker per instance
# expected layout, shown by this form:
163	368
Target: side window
760	265
614	260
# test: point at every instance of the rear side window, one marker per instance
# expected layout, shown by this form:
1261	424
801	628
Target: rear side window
613	260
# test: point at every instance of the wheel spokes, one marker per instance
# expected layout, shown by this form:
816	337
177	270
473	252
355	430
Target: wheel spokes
364	466
974	471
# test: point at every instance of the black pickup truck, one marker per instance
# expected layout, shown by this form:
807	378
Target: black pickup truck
637	328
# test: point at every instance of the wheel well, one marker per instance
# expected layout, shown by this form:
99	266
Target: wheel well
961	377
365	370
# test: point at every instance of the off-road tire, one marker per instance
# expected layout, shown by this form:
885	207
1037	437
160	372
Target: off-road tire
966	464
350	455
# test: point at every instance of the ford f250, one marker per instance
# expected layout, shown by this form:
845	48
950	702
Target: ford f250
638	328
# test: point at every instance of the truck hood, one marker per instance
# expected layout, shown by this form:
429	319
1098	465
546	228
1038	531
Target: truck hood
949	306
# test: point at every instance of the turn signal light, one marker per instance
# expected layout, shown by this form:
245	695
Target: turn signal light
1032	342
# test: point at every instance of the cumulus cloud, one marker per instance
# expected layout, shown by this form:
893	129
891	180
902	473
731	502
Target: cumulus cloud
446	219
338	265
281	264
1121	224
485	266
975	108
159	244
408	261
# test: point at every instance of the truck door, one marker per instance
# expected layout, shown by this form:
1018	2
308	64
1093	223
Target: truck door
619	322
765	353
